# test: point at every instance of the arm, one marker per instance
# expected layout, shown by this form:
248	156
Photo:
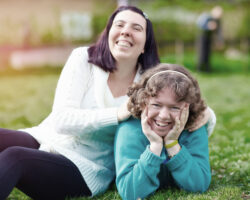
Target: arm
68	116
211	122
203	20
190	168
208	118
136	166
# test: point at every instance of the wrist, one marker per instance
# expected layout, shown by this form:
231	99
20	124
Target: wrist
170	143
156	148
172	148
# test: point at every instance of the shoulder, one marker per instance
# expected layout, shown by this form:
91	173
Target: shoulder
130	128
131	123
130	133
79	59
197	135
80	51
203	20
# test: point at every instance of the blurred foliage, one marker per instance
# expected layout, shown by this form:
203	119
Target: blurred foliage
169	19
244	30
98	24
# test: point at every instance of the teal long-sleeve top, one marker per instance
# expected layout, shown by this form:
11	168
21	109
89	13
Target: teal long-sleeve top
139	172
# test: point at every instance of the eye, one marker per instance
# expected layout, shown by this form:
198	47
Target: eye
175	108
137	28
155	105
119	25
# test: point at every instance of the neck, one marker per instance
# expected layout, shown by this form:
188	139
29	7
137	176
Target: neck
125	71
121	79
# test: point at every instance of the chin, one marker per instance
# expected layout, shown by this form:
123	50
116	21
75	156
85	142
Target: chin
161	134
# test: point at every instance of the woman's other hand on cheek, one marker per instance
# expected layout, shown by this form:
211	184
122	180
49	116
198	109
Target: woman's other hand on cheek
156	142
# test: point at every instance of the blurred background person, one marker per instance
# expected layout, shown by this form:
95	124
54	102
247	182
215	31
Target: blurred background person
210	24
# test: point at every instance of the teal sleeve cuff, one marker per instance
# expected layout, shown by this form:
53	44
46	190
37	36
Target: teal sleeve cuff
179	159
151	158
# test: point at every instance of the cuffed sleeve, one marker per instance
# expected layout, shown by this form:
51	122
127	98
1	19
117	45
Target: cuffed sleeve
136	166
190	168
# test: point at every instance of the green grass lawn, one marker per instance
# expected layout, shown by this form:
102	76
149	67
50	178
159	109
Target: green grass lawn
25	100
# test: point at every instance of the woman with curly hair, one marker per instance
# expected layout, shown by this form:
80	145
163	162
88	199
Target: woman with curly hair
157	150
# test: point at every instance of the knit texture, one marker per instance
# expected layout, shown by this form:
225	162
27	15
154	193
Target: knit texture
83	121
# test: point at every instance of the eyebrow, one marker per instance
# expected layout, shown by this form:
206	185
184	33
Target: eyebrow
134	24
177	104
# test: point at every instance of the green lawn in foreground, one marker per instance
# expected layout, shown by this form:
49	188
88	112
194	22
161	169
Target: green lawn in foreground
26	99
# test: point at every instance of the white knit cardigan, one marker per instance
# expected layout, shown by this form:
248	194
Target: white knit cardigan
83	121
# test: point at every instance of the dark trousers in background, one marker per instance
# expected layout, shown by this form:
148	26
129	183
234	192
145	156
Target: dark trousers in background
39	174
205	52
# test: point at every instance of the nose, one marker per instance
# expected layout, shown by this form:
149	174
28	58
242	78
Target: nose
126	31
164	114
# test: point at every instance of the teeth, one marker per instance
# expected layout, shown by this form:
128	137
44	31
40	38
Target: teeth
162	124
123	44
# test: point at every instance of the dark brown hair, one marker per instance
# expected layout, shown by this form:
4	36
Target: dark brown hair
100	55
182	84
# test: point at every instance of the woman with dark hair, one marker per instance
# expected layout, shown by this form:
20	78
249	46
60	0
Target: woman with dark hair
70	153
158	150
100	55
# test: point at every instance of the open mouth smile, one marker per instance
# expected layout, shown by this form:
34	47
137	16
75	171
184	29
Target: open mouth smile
124	43
162	124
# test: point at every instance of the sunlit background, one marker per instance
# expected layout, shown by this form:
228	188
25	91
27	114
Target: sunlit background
37	33
37	36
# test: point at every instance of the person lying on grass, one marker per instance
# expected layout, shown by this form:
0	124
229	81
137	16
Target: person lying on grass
155	149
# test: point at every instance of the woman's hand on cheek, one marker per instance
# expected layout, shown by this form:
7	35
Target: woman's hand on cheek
179	125
156	142
171	139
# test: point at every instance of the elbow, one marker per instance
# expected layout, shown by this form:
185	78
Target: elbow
205	185
123	190
128	191
198	184
205	181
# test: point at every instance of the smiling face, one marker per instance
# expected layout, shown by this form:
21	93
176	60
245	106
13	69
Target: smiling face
162	111
127	35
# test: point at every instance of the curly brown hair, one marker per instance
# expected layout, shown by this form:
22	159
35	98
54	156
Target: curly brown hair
184	86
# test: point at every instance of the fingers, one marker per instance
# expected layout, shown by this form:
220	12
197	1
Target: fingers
144	121
173	133
176	125
184	115
123	112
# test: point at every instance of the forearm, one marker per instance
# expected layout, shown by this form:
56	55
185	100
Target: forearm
139	178
79	121
190	172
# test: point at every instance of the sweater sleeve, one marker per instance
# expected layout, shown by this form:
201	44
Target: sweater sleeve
67	114
190	168
211	122
136	166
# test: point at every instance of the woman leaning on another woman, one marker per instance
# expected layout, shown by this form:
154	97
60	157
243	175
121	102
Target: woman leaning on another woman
156	148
